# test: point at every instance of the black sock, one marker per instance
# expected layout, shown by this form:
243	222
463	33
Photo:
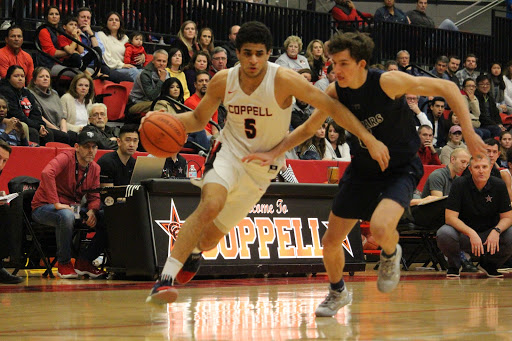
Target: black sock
388	256
340	286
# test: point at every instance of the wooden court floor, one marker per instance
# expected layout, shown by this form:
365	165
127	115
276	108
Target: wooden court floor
425	306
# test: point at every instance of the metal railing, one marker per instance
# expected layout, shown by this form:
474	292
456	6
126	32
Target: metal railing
164	18
478	12
426	44
501	28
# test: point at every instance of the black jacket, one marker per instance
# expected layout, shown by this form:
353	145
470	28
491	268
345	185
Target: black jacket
105	135
231	50
488	117
22	105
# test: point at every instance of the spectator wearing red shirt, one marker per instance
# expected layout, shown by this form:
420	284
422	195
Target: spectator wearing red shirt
74	50
12	54
48	38
134	49
344	10
427	152
201	84
64	181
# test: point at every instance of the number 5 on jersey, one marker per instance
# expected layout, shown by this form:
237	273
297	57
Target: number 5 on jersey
250	129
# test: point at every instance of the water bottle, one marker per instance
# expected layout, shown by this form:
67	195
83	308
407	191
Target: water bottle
192	172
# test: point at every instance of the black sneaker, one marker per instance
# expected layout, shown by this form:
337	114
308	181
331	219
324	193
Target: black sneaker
468	266
190	268
490	270
7	278
452	273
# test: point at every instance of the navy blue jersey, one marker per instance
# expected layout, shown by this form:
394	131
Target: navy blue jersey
389	120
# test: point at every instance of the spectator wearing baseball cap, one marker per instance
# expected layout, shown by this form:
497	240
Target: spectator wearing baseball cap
454	141
64	182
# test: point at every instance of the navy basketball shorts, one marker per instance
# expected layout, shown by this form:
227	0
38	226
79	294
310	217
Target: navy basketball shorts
358	196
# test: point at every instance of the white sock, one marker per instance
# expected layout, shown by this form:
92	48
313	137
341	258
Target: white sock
171	268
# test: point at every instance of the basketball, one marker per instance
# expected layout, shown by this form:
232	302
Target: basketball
162	134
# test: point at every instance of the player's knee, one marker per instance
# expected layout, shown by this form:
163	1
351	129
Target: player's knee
330	241
210	210
380	229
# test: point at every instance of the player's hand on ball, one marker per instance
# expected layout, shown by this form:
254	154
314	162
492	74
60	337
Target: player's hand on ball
379	152
149	113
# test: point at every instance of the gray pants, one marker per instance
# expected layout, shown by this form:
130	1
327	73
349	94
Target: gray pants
452	242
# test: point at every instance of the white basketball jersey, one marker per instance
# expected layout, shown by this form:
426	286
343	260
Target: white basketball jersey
254	123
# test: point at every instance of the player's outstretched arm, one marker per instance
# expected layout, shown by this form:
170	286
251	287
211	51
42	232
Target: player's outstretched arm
328	104
396	84
299	135
297	86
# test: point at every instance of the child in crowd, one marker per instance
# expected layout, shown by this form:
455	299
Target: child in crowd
11	129
73	49
70	26
134	49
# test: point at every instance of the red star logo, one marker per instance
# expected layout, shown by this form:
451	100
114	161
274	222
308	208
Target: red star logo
172	226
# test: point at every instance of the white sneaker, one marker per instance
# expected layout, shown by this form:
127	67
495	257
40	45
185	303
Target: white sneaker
389	271
333	302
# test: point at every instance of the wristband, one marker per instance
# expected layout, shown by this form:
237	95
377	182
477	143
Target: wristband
497	229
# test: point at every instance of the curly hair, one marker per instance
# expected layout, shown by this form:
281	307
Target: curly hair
253	32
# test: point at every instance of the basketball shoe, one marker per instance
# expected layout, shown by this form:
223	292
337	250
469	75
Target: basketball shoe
333	302
489	269
389	271
190	268
163	292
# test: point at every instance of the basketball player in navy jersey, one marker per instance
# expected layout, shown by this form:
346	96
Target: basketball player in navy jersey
367	190
258	97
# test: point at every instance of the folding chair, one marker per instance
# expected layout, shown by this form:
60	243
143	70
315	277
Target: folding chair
422	237
26	186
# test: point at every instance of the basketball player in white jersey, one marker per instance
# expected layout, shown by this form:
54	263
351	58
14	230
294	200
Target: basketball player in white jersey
258	96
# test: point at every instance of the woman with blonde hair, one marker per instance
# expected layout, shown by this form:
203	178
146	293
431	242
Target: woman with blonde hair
291	58
76	102
316	58
187	40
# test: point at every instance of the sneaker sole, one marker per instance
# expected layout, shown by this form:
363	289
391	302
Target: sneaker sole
90	274
452	276
68	276
331	314
488	274
163	297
